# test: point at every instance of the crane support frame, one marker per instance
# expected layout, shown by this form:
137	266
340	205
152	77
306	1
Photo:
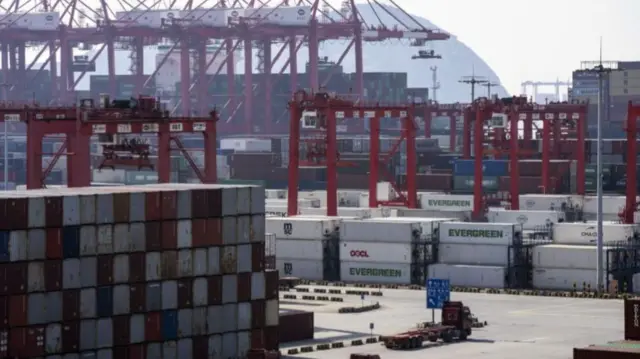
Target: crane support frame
631	203
328	110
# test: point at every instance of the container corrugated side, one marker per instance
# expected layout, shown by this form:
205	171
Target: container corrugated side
301	227
564	279
564	256
586	233
469	276
375	252
300	268
299	248
546	202
478	233
474	254
376	230
530	220
380	273
446	202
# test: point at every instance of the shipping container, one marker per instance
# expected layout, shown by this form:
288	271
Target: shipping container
490	168
378	230
564	279
465	184
480	233
312	249
475	254
585	233
379	273
470	275
530	220
446	202
542	202
610	204
632	319
565	256
300	268
302	227
376	252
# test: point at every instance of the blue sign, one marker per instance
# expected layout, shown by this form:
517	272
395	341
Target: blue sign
438	292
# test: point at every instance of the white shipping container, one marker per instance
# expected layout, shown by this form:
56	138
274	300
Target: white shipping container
246	144
299	248
530	220
474	254
275	194
563	279
43	21
382	273
546	202
446	202
460	275
375	252
146	18
345	198
610	204
462	216
428	226
379	230
300	268
275	211
302	203
206	17
293	16
565	256
302	227
342	212
586	233
480	233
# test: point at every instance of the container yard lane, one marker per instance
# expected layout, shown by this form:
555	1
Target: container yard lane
518	326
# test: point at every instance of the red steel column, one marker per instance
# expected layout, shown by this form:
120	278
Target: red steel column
514	170
468	119
266	64
632	151
452	133
210	159
34	154
412	160
478	204
546	148
581	152
248	85
185	76
374	160
332	158
231	81
313	55
295	114
428	118
164	152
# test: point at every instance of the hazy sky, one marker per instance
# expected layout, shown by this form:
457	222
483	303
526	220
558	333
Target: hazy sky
537	40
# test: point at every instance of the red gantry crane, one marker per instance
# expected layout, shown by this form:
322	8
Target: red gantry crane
631	127
59	28
492	128
313	124
124	117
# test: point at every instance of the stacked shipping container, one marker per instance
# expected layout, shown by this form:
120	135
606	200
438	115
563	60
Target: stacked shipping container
165	271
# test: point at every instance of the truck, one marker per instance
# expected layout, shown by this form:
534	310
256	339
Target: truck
455	325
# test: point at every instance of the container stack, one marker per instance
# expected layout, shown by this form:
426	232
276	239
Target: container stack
476	254
162	271
383	250
306	247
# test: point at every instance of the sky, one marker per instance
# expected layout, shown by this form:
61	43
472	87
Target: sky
540	40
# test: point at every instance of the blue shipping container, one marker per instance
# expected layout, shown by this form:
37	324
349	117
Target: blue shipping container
169	325
104	301
70	242
490	168
4	246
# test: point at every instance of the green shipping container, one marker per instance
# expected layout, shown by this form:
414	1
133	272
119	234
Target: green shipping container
465	184
591	171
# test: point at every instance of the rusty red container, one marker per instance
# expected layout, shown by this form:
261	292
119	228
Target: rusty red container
244	287
271	284
432	182
257	256
15	275
258	314
70	337
54	243
17	307
121	207
169	203
121	330
4	312
53	275
199	233
153	327
271	338
214	232
137	267
34	340
153	236
137	298
257	338
185	293
605	352
137	351
214	288
214	202
200	346
17	213
632	319
18	343
53	211
199	204
105	269
70	305
169	234
295	326
153	206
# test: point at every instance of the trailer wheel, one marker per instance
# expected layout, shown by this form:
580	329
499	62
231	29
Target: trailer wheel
463	335
413	343
447	337
433	338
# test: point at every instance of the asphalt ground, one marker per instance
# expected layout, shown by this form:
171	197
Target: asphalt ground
518	326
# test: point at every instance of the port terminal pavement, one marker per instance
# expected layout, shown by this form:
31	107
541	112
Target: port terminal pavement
518	326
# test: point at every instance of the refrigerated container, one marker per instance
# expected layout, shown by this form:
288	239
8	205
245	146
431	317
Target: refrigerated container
474	276
446	202
311	249
302	227
610	204
379	230
564	279
546	202
429	226
300	268
302	202
475	254
565	256
376	252
584	233
379	273
530	220
480	233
